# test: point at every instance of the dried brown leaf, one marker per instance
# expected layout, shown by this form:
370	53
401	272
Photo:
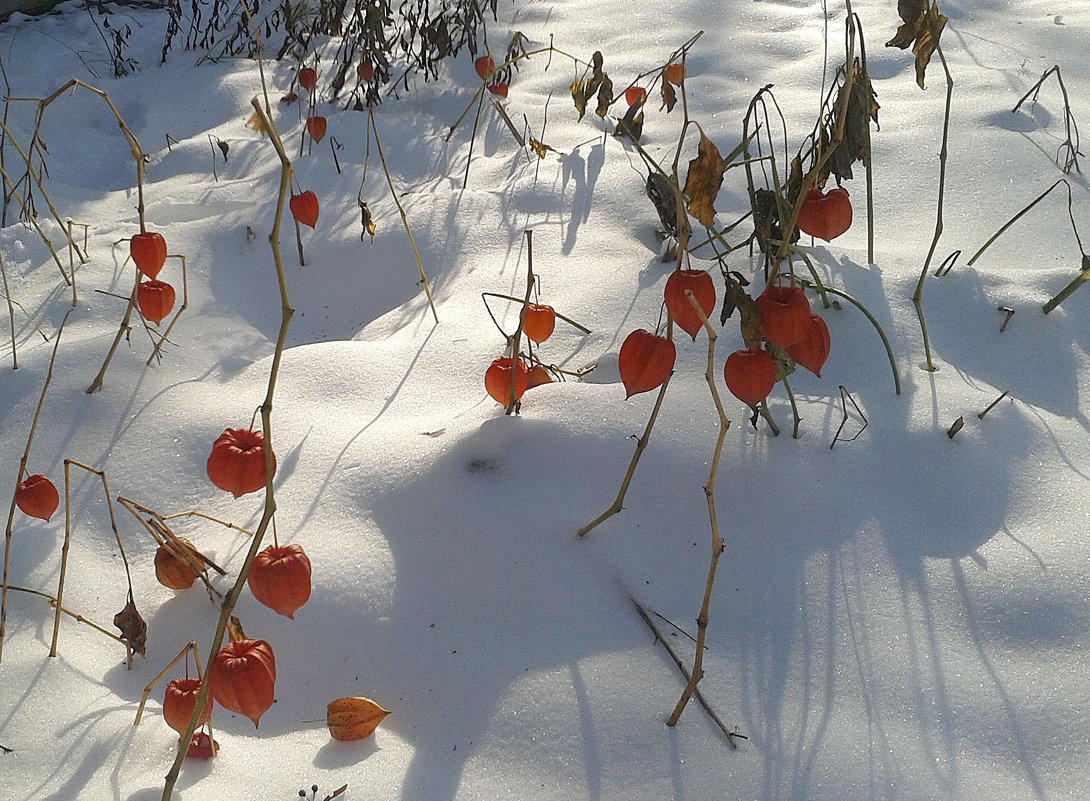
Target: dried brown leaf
367	221
256	123
605	96
703	181
540	148
669	96
132	627
921	28
353	718
578	91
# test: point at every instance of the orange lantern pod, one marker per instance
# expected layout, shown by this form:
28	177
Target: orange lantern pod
539	321
304	208
700	283
37	496
178	703
785	314
171	571
750	375
497	379
155	299
149	252
242	678
280	578
316	127
353	718
237	461
645	361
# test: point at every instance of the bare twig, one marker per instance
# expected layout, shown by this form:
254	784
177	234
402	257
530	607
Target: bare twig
18	478
730	735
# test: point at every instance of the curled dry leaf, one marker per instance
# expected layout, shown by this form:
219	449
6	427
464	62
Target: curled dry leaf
669	96
540	148
367	221
921	28
703	181
132	627
353	718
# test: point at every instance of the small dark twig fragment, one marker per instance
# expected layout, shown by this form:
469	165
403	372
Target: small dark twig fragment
956	427
1008	312
993	404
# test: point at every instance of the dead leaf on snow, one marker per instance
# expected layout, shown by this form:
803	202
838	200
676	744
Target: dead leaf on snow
540	148
133	628
703	181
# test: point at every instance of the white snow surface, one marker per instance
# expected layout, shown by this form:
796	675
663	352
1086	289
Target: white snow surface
902	616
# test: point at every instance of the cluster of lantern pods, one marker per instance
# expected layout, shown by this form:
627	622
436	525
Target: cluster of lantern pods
646	359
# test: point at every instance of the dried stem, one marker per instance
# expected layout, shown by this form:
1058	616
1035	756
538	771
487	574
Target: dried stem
68	463
641	444
233	594
74	615
1071	144
717	541
514	342
33	220
41	188
699	696
917	295
11	314
18	478
164	337
401	210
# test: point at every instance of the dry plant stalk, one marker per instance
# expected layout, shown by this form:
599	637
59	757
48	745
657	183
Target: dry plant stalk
138	157
41	188
189	648
132	643
233	594
11	314
155	524
717	541
22	467
401	211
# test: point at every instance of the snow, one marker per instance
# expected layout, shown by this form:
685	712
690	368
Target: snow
901	616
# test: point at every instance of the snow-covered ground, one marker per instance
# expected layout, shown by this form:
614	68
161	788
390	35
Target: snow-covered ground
902	616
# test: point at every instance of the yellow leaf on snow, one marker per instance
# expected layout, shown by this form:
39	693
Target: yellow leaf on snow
256	123
703	181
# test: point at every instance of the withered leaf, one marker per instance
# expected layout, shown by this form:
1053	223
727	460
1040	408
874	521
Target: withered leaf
703	181
224	147
737	298
669	96
922	26
605	96
578	91
660	190
367	222
133	628
861	109
256	123
540	148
